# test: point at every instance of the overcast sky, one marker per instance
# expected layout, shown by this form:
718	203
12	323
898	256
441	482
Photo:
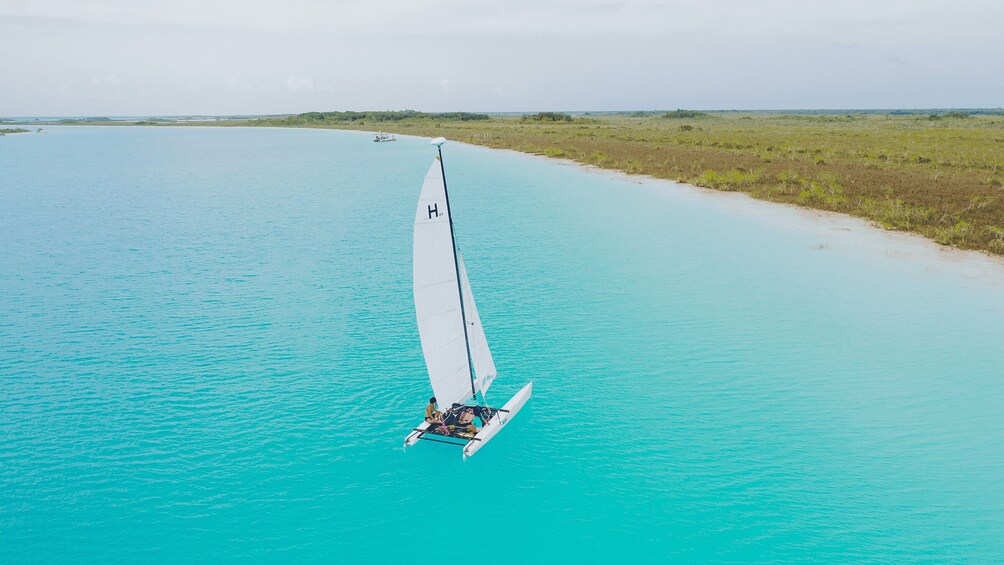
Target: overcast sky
160	57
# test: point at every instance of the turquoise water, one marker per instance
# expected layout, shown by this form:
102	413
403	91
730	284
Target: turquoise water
208	352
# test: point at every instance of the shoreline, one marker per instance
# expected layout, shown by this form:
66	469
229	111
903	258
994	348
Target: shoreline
842	231
939	178
844	228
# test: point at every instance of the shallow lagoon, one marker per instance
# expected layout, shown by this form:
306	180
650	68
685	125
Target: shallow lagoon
208	351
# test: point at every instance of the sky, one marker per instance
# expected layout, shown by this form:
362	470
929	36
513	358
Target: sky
231	57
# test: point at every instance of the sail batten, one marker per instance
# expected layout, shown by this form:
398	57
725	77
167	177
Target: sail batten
438	305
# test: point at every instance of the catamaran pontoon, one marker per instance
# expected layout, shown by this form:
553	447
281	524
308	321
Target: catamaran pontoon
453	341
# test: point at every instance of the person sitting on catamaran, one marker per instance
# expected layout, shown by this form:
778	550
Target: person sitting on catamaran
465	420
433	416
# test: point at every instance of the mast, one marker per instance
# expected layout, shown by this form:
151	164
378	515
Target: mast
456	265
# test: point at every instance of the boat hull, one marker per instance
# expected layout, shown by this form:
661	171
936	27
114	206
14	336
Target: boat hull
501	418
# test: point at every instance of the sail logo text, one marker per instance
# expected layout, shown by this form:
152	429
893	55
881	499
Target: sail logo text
434	209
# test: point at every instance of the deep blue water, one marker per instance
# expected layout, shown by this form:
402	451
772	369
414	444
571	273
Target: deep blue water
208	352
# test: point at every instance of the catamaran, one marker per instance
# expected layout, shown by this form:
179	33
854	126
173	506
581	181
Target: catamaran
456	351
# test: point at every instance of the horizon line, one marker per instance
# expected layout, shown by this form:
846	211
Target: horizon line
520	112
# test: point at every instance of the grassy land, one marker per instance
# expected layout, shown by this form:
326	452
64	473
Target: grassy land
5	131
941	176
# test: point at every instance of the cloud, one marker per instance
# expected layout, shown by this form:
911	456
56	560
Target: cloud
106	80
266	56
300	84
569	17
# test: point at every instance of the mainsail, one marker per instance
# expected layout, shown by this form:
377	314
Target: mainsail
437	302
481	356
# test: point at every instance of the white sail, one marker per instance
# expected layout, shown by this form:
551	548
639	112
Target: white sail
437	302
481	356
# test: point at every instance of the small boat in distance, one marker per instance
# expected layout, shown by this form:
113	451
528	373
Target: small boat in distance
456	352
381	137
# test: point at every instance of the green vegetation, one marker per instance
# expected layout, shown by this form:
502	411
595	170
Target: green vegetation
331	119
682	114
893	213
547	117
728	180
5	131
950	116
74	121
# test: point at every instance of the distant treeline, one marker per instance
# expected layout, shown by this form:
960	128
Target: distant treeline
391	116
875	111
71	121
950	115
547	117
684	114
